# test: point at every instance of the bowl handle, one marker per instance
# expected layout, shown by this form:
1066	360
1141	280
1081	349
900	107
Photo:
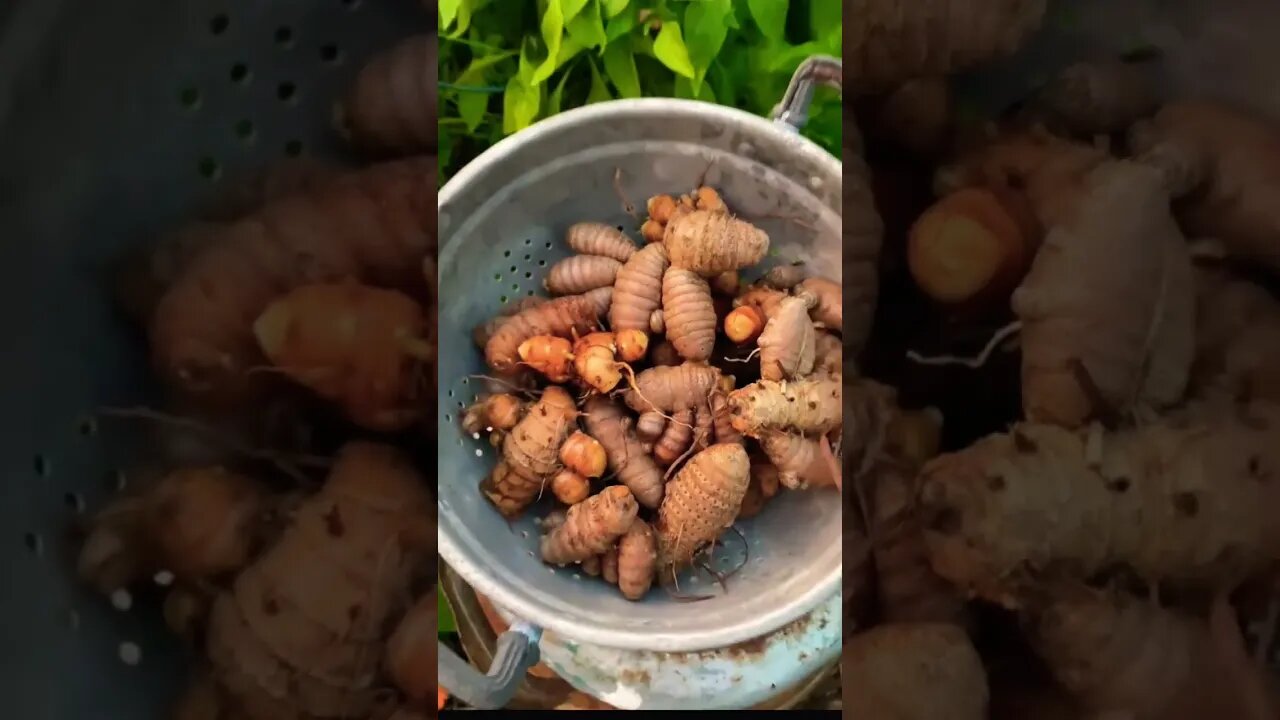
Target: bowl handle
517	651
792	112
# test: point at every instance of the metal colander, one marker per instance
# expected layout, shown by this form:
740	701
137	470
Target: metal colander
118	119
502	222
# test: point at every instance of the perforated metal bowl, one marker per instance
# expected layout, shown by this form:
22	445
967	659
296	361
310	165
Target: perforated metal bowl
502	222
117	119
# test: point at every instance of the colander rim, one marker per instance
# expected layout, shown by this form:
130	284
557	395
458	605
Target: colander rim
523	603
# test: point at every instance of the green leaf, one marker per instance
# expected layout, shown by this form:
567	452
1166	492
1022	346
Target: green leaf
570	8
553	102
568	49
552	35
587	28
786	58
824	15
613	7
684	89
471	108
527	65
519	105
444	615
620	25
670	49
620	66
473	105
705	31
770	17
448	11
599	90
465	10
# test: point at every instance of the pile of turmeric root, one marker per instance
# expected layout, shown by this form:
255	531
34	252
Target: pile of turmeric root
280	511
655	399
1106	258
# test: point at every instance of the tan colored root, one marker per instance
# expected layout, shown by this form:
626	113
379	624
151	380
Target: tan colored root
607	422
579	273
481	333
590	527
670	388
675	439
788	342
638	289
808	406
561	317
825	299
598	239
500	411
709	243
701	501
914	671
609	565
637	556
391	107
908	588
763	300
688	313
530	453
650	425
799	460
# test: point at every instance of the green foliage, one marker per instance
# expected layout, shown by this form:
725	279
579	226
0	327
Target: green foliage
445	622
504	64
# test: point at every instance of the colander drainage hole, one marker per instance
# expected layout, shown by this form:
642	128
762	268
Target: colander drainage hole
293	148
284	36
88	426
286	91
244	130
209	168
240	74
74	502
330	54
218	24
41	466
130	653
189	97
34	543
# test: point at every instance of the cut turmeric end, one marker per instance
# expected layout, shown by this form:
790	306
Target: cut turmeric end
743	325
964	245
271	329
549	355
584	455
653	231
632	345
